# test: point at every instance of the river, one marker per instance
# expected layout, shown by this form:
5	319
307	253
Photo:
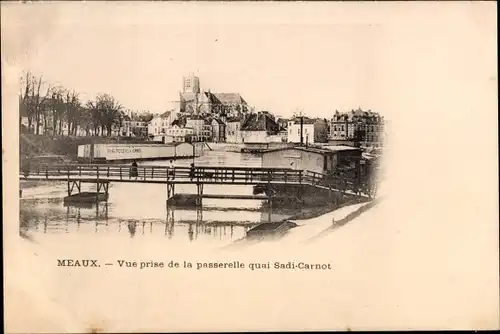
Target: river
136	210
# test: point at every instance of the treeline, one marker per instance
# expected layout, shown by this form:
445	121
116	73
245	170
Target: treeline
59	110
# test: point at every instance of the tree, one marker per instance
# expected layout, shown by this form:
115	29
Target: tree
320	131
86	118
60	106
147	117
56	110
32	103
92	117
72	110
109	112
24	109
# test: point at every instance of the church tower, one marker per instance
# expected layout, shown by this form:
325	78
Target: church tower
191	84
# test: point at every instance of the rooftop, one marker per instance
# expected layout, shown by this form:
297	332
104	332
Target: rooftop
166	114
340	148
218	121
358	113
228	98
233	119
195	118
215	98
260	122
306	120
329	149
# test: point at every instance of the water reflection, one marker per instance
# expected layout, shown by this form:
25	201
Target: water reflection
187	224
132	228
140	211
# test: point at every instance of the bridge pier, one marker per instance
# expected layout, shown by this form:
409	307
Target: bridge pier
169	226
199	215
170	190
299	192
270	195
190	232
72	184
76	195
104	186
199	197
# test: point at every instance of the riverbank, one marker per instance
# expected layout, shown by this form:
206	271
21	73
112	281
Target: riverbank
310	213
43	145
308	225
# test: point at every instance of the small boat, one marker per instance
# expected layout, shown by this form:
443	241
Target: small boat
270	229
86	197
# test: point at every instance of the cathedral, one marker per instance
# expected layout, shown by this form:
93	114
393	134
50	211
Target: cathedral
195	101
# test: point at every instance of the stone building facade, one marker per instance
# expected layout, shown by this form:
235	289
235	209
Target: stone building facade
363	128
192	100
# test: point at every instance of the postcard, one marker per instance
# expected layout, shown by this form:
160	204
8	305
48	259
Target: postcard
249	166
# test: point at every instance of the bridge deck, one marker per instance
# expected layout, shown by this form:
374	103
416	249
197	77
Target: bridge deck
185	175
159	181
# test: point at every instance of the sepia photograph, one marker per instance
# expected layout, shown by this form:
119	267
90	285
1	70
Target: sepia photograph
216	166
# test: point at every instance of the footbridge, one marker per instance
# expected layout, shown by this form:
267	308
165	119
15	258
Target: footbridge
102	175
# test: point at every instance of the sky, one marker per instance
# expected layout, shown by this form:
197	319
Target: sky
280	57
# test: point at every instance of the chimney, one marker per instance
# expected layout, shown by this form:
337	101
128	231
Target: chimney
301	130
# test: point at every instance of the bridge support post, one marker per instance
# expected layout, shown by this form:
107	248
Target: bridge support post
169	226
199	215
199	196
72	184
299	192
270	192
190	232
170	190
104	186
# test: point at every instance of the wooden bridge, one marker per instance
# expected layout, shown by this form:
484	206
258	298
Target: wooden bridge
102	175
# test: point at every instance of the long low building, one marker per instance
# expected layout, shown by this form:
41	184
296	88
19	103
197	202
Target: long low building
323	159
126	152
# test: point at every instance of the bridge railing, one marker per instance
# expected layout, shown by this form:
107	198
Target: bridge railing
341	183
200	173
212	174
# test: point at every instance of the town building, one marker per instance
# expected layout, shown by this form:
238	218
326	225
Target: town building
233	131
195	101
260	128
358	127
283	134
132	128
202	129
177	134
295	128
218	131
282	122
158	125
325	160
